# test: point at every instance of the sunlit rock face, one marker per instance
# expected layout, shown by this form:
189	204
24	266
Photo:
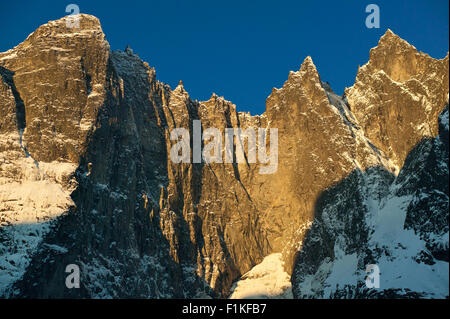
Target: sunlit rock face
86	176
394	218
50	95
398	223
398	95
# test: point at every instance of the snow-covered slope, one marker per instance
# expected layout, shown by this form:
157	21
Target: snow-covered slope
398	223
266	280
32	195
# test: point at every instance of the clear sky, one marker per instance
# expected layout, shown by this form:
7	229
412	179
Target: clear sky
242	49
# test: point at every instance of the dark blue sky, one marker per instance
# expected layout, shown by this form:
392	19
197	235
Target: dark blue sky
242	49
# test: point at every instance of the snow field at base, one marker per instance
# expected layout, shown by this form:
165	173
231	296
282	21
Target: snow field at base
267	280
398	267
29	209
397	263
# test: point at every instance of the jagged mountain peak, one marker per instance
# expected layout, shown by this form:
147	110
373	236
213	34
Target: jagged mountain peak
396	69
389	35
70	25
389	38
64	29
102	119
302	84
308	69
216	98
389	32
180	88
87	22
397	58
306	77
308	63
218	103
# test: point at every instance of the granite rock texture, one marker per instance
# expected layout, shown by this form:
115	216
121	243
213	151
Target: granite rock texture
90	129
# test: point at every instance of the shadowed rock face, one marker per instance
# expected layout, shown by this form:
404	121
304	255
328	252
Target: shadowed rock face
96	124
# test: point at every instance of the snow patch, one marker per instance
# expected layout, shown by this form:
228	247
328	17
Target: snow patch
267	280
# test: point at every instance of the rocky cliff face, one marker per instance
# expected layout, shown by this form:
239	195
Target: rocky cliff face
86	176
398	95
399	223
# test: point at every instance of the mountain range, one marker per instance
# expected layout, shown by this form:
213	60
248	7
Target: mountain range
86	178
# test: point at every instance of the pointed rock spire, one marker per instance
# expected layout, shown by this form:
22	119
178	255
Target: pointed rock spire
129	50
389	39
180	89
389	33
308	62
180	86
308	68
